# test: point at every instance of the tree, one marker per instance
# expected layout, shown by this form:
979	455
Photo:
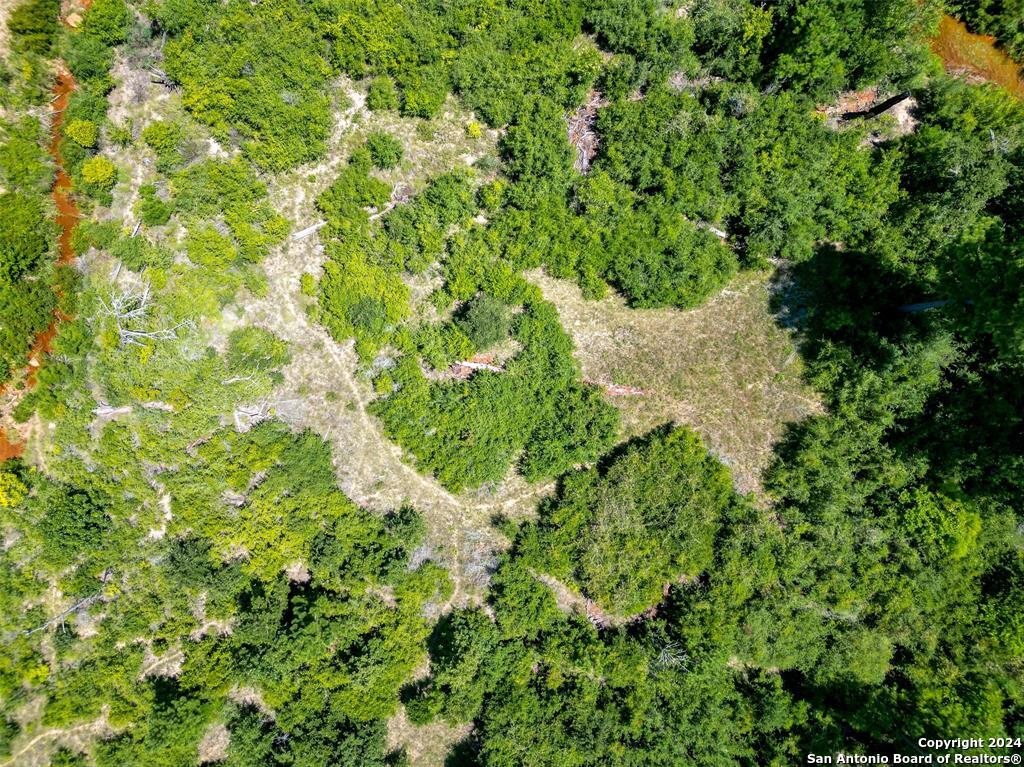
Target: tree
485	320
33	25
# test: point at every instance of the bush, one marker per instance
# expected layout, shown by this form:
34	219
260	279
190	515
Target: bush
165	138
381	95
82	132
99	173
151	209
485	320
385	150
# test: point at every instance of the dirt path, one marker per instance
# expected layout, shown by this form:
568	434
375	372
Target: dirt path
325	394
36	752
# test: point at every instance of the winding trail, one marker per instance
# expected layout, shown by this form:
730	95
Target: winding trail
332	398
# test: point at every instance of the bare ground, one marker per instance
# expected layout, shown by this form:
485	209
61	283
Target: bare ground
726	368
427	745
35	749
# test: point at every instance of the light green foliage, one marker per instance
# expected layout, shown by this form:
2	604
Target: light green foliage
237	76
443	344
361	299
12	490
381	94
354	189
385	150
82	132
164	138
99	173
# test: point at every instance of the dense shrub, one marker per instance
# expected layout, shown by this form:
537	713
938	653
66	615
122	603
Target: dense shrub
385	150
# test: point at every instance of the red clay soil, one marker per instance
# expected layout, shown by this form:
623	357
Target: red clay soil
9	449
976	57
67	214
67	220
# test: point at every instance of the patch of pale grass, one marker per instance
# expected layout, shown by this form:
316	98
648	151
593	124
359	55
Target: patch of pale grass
726	368
427	745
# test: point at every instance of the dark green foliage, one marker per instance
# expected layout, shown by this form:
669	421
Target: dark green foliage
797	183
975	131
467	433
74	523
535	147
152	210
108	21
620	535
25	310
216	574
821	47
485	320
24	235
663	259
88	56
639	28
24	164
548	687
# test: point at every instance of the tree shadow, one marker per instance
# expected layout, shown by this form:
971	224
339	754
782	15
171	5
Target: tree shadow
847	303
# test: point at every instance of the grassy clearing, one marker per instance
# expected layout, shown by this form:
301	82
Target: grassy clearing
726	368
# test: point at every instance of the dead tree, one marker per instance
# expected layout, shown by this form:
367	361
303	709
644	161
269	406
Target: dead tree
129	308
581	131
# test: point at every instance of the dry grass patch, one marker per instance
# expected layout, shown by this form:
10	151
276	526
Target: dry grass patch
427	745
726	368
